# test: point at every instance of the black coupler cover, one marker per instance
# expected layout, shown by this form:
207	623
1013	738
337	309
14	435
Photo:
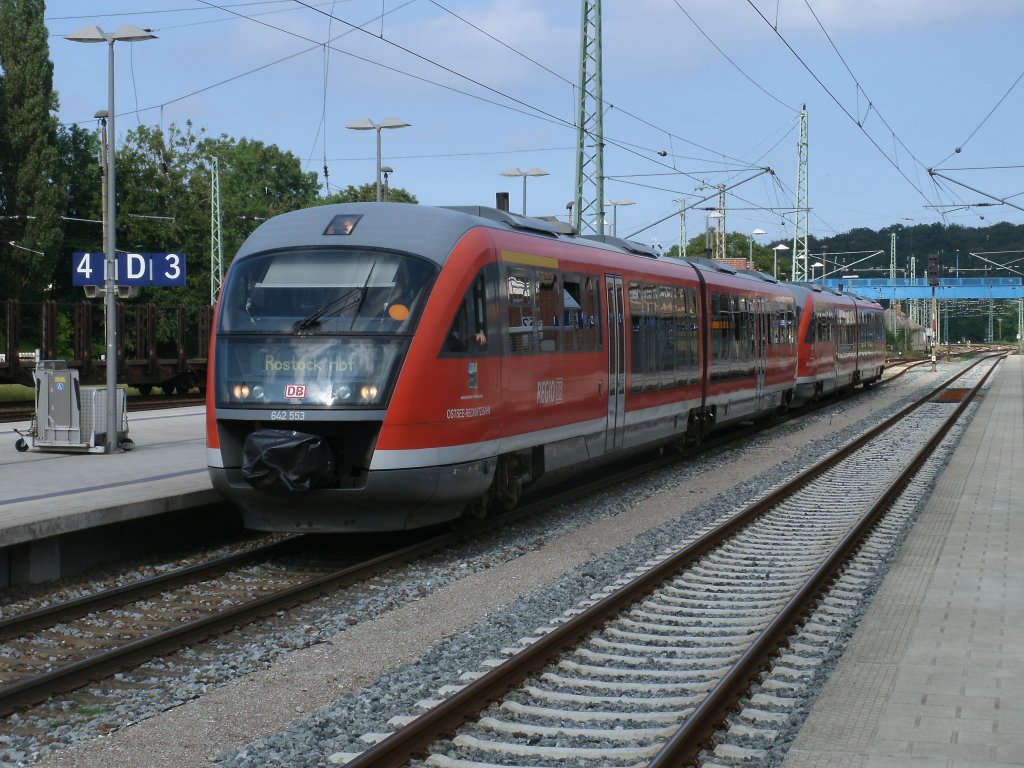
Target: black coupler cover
285	460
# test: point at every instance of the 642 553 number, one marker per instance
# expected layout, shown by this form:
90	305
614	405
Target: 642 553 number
288	415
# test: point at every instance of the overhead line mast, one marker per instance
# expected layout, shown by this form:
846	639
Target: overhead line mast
802	209
588	204
216	249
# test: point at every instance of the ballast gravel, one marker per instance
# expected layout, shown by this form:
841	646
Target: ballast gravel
309	698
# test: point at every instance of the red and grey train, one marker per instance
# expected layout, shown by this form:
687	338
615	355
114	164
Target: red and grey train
380	366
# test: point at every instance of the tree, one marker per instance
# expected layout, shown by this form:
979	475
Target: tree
164	192
31	194
81	184
367	193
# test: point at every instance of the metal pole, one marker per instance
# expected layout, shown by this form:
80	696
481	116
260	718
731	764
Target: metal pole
378	162
524	194
935	329
110	295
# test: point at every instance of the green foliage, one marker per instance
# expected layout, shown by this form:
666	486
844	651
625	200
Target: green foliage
32	198
164	202
367	193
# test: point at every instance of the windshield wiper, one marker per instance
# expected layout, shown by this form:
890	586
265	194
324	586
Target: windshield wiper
335	305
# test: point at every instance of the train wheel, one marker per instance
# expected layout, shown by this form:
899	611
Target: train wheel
145	389
478	509
507	487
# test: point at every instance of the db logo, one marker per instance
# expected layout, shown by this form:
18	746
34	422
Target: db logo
292	391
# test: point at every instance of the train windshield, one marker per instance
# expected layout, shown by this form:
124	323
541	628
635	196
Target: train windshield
325	292
317	328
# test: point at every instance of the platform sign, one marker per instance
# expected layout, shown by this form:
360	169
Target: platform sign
160	269
87	269
167	269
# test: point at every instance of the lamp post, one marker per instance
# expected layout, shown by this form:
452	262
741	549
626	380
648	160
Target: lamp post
615	212
366	124
707	231
126	33
815	266
750	260
775	260
524	174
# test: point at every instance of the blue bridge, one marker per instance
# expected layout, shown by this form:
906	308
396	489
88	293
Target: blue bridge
918	288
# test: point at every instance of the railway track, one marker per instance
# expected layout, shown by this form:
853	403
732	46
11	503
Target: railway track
63	646
650	668
121	628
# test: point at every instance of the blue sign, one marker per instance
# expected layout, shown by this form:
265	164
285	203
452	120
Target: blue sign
133	269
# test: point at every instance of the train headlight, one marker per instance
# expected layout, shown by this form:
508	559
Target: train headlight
368	392
257	392
344	392
240	391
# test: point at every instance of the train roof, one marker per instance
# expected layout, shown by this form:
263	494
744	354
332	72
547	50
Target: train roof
426	230
433	232
802	290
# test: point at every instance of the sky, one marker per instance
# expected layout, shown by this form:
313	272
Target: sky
892	88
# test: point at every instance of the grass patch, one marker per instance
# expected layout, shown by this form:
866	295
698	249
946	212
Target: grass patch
15	393
19	393
92	711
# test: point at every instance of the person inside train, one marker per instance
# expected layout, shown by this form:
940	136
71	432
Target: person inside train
468	332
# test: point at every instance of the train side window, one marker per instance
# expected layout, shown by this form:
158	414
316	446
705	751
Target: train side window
520	310
592	319
637	321
693	343
572	313
549	307
473	327
665	331
683	338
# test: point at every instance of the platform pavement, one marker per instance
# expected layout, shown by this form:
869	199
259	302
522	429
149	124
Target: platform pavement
934	675
46	494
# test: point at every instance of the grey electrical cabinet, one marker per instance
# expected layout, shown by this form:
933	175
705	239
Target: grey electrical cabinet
70	416
58	400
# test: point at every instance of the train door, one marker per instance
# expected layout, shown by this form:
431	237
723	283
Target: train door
615	428
837	346
762	320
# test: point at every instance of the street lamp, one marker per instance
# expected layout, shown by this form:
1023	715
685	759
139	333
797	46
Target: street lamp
815	266
366	124
615	212
707	231
126	33
775	259
524	174
758	231
386	169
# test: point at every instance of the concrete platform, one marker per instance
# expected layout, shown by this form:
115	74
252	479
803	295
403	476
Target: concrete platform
935	673
46	495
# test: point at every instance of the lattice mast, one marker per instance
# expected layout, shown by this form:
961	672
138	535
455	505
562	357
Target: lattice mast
216	251
588	204
720	224
892	259
802	209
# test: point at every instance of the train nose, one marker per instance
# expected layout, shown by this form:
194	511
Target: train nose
282	459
